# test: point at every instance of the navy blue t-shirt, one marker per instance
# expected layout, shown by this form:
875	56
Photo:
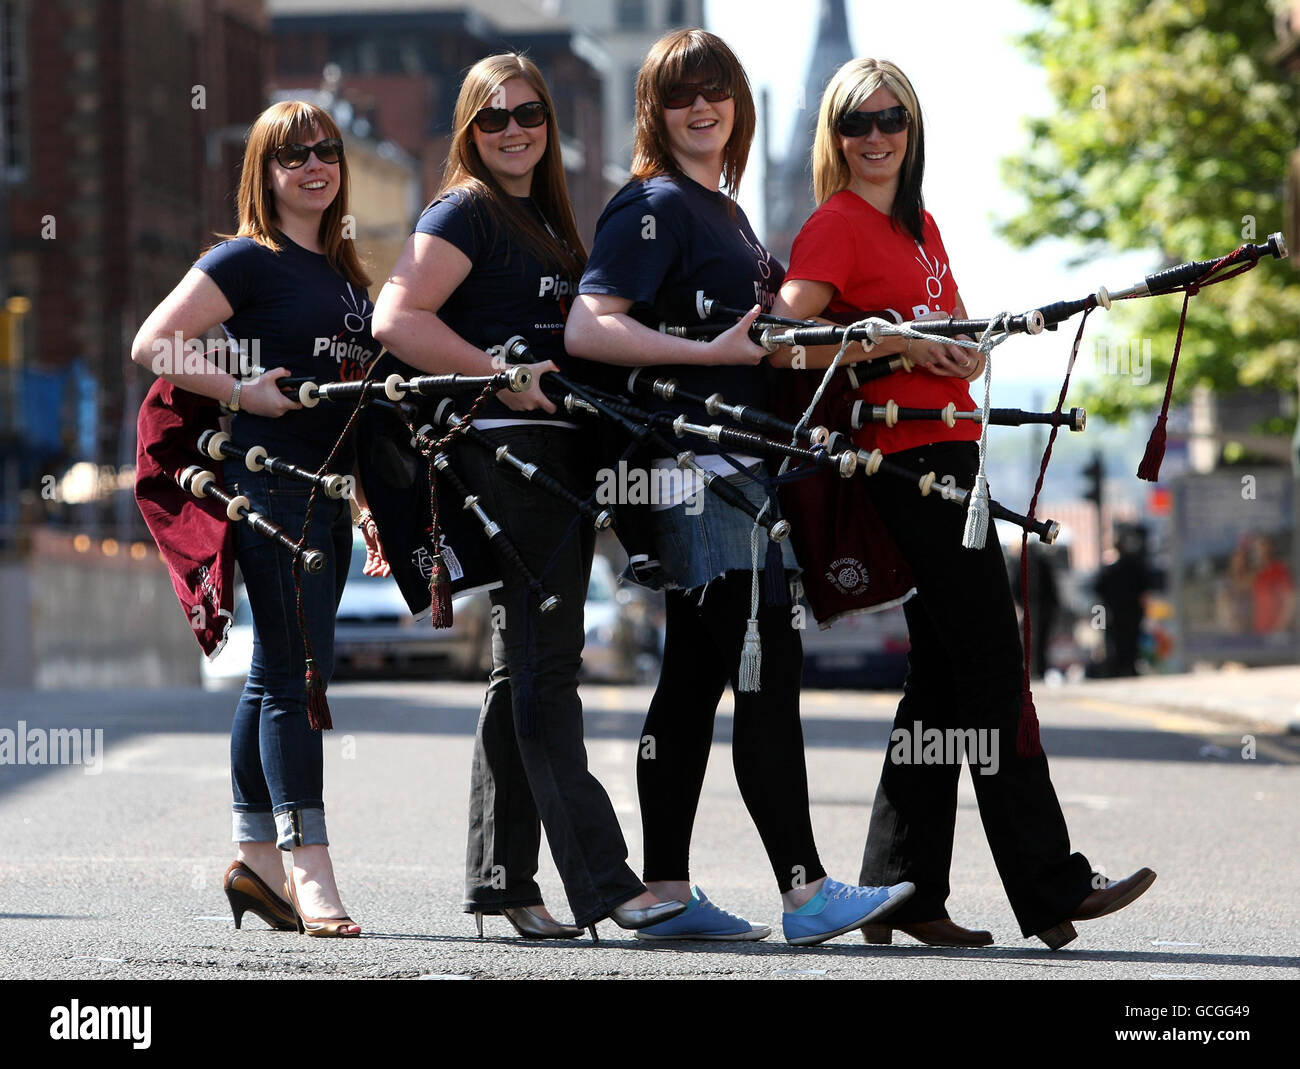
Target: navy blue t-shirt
508	291
293	310
661	241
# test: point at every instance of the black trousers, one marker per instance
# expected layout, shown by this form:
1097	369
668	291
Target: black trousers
701	656
964	671
525	770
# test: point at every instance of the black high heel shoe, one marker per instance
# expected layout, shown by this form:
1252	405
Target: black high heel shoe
247	892
531	926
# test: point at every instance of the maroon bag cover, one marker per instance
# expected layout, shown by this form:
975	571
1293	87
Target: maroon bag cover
193	535
850	562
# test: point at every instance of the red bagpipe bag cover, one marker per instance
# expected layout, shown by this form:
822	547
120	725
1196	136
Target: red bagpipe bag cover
193	535
850	562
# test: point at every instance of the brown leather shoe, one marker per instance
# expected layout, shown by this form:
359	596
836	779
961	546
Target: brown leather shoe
939	933
1115	895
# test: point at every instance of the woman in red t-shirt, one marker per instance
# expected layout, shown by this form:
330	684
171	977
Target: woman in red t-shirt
872	249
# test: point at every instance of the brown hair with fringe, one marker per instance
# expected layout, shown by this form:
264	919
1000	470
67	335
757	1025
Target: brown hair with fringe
466	171
698	57
286	123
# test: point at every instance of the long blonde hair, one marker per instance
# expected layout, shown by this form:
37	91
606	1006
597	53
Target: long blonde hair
465	169
283	124
690	56
847	91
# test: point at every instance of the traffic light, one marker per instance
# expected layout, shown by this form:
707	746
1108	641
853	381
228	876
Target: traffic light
1095	473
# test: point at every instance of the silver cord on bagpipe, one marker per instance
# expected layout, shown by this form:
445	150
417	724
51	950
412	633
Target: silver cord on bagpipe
195	480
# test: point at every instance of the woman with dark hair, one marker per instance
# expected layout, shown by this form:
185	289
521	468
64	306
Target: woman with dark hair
495	255
667	235
872	249
289	280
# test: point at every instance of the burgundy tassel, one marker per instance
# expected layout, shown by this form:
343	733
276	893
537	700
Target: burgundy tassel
1149	469
318	709
1027	742
440	594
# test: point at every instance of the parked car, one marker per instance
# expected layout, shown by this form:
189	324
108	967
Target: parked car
375	633
624	634
867	651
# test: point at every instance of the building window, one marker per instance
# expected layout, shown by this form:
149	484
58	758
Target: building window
630	15
13	88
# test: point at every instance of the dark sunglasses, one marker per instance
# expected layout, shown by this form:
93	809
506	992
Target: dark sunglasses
291	157
683	96
494	120
859	123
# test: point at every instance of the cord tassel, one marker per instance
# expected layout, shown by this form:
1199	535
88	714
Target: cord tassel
1028	743
440	593
318	709
977	515
1149	469
751	658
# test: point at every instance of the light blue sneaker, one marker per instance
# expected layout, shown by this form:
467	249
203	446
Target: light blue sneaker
703	920
837	908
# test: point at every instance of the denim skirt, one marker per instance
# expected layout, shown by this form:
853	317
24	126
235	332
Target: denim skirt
694	549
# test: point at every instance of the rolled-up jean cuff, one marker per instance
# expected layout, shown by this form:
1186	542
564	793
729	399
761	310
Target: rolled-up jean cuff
252	827
300	827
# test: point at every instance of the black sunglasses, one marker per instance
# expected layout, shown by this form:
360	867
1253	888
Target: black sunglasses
683	96
494	120
859	123
291	157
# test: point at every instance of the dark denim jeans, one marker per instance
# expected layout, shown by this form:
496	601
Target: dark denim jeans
276	760
519	774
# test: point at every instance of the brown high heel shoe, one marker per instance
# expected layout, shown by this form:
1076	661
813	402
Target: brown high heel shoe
936	933
248	892
330	927
530	926
1104	900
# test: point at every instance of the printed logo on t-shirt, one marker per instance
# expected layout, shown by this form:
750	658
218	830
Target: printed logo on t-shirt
351	357
936	272
764	294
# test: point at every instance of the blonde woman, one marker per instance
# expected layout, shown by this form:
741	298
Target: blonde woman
872	248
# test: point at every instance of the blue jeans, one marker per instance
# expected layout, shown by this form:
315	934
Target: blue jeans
276	759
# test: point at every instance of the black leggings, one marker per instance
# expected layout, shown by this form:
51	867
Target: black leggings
701	655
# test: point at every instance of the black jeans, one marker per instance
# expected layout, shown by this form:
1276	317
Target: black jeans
519	775
701	656
964	671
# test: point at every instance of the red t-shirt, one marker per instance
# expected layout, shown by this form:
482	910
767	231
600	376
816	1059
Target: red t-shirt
879	270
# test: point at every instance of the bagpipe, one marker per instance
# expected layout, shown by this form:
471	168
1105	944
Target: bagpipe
409	430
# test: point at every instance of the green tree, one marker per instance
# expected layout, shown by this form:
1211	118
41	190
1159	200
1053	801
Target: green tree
1172	133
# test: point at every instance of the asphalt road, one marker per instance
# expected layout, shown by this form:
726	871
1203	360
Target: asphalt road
116	875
